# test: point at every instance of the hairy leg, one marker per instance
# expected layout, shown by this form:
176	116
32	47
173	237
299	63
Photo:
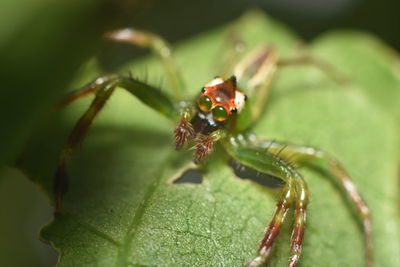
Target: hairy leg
310	156
301	199
72	96
75	138
272	231
294	192
324	66
103	88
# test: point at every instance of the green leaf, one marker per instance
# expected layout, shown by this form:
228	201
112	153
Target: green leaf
122	210
369	62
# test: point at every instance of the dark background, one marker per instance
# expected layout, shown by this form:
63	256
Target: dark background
42	44
179	19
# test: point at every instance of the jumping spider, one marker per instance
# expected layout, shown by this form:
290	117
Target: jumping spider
222	112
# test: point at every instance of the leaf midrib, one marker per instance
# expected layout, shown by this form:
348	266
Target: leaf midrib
123	252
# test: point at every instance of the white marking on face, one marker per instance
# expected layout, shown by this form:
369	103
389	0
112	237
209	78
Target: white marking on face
239	100
215	82
209	117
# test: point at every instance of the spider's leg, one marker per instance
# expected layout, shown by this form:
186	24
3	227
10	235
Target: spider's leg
158	46
233	49
75	138
313	157
302	197
74	95
272	231
103	87
294	191
254	74
324	66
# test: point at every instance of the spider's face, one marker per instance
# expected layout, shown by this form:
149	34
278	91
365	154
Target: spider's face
222	98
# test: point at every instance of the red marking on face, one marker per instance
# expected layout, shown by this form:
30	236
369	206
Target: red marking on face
224	93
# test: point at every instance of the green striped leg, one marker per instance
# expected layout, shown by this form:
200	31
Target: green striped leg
103	87
294	192
304	155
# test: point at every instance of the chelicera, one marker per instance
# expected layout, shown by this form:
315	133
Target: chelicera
223	111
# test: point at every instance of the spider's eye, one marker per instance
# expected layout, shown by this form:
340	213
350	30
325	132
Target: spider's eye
219	113
205	103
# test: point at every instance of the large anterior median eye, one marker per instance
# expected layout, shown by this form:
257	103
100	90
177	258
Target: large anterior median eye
205	103
220	113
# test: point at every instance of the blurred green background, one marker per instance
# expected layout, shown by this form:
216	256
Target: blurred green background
43	43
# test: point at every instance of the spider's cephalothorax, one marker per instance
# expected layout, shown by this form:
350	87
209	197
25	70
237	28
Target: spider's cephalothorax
219	102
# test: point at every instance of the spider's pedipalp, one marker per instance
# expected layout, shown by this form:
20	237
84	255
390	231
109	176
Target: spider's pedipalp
182	133
204	147
205	144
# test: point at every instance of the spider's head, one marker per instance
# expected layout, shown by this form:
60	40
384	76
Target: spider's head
222	98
